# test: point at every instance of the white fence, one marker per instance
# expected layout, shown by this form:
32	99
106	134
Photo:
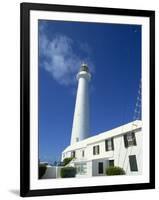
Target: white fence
52	172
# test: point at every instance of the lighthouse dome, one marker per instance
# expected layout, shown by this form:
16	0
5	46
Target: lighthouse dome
84	67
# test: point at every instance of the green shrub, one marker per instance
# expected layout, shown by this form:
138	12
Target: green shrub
42	169
67	172
110	171
67	160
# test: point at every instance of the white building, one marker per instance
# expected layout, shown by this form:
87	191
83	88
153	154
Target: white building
121	146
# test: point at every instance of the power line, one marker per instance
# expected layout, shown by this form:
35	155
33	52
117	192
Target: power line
136	116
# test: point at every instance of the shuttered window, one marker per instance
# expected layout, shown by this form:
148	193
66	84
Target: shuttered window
109	144
133	163
130	139
73	154
111	163
96	150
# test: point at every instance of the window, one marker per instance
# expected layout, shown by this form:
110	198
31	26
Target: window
100	168
83	153
129	139
81	168
96	150
73	154
109	144
133	163
111	163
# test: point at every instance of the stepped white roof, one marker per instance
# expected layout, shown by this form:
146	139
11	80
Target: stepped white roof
132	126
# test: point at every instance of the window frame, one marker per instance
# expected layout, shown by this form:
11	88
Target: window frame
111	164
128	142
107	146
134	167
99	169
96	150
73	154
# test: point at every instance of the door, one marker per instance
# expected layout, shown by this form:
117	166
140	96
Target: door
100	168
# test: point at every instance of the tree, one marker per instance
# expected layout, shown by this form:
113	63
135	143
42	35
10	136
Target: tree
42	169
114	170
67	172
67	160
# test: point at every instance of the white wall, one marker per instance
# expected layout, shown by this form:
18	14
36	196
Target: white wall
95	167
52	172
120	155
9	100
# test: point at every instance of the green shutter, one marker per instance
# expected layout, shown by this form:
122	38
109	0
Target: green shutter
93	150
106	145
134	138
133	163
98	149
125	141
112	141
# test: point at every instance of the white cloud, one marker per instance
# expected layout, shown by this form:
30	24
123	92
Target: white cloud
58	57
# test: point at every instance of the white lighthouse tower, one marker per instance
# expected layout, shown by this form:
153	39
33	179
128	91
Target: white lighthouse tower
80	128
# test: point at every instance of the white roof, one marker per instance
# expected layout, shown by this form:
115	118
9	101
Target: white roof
132	126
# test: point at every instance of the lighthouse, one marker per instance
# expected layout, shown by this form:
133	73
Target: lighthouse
90	155
81	126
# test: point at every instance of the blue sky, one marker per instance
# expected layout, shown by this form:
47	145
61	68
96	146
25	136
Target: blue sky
113	54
